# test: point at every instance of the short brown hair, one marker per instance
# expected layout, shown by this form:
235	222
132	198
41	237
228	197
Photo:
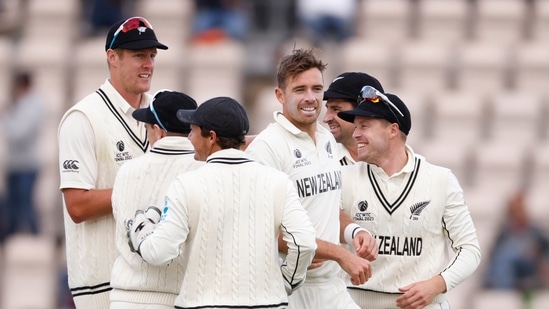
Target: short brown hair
300	60
225	142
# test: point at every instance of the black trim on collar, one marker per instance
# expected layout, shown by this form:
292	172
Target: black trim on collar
144	145
171	152
225	160
391	207
343	161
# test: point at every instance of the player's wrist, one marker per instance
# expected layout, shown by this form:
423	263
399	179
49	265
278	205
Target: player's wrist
351	230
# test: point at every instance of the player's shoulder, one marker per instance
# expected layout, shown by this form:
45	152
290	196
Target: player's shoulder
84	106
433	167
130	167
270	137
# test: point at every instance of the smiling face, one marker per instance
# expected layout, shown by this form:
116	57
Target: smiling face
342	130
301	98
132	70
372	137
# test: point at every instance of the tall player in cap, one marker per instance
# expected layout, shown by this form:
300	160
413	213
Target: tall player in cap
96	136
228	214
141	184
298	145
415	210
341	96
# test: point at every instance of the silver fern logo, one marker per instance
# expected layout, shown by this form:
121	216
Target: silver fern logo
417	208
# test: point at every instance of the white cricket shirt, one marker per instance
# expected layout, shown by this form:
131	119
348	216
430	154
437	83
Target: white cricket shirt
141	183
315	172
96	136
415	216
229	213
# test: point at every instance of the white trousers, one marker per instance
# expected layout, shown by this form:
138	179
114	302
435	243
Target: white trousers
126	305
322	295
373	300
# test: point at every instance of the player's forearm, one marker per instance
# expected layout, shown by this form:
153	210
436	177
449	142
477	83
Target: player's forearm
328	251
344	220
462	267
83	205
439	284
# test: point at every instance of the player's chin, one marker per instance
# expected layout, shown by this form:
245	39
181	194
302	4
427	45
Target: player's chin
144	86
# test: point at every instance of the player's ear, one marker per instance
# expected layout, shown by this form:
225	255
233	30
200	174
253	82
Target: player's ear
160	133
213	137
279	93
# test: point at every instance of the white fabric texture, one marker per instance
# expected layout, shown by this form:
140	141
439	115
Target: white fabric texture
229	213
415	216
141	183
95	139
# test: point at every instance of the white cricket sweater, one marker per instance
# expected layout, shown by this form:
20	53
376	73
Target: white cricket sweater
141	183
229	213
315	171
90	246
415	215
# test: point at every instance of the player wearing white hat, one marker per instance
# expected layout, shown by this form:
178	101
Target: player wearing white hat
414	209
229	214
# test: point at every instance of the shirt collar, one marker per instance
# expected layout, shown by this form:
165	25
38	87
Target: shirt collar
343	153
228	153
173	143
120	102
408	167
290	127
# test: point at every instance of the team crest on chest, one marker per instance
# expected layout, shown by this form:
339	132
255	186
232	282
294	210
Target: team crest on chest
122	155
362	213
417	208
329	150
300	162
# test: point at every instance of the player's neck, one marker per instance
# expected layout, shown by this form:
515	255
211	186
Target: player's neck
395	160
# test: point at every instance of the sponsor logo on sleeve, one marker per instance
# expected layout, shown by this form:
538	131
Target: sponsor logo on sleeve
71	166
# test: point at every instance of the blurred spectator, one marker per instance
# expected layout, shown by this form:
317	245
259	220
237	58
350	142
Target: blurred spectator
325	19
519	258
101	14
217	19
22	123
3	217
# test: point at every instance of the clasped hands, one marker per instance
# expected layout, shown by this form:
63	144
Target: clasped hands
141	226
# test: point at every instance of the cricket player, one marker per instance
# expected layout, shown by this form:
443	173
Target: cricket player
142	183
229	214
414	209
340	96
96	136
299	146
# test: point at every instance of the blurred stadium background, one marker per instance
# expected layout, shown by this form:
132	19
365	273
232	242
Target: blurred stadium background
475	75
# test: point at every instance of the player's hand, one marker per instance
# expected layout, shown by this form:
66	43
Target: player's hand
359	269
153	214
141	226
420	294
365	246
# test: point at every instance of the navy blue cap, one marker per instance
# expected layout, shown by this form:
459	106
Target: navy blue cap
224	115
137	33
378	109
347	86
166	103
